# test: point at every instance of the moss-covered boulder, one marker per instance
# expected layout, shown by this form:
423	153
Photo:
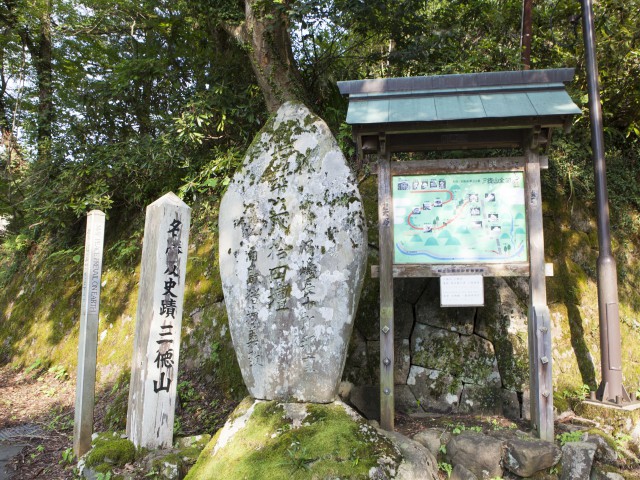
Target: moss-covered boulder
115	456
272	440
109	451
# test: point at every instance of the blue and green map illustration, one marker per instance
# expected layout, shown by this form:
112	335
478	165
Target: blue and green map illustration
460	218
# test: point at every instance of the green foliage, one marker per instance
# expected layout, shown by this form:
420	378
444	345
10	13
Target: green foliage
59	421
116	414
140	109
213	177
148	99
186	392
126	251
68	457
59	372
17	244
169	101
568	397
194	405
458	428
579	393
177	426
566	437
297	457
38	450
36	366
446	468
621	440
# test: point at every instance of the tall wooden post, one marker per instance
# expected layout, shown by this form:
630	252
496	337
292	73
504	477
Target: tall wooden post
541	383
88	340
385	224
156	345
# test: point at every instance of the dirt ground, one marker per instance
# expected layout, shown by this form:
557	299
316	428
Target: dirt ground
42	400
45	399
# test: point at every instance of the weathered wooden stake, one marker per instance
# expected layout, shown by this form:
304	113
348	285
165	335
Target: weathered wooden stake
156	346
541	387
88	340
385	220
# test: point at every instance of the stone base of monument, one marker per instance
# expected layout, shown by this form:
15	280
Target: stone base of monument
270	439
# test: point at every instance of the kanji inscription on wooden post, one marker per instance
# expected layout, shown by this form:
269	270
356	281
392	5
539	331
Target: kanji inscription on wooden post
152	393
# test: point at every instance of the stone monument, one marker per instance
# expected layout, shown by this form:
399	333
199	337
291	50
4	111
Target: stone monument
88	339
156	347
293	248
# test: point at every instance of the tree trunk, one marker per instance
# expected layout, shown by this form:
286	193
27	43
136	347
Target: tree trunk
44	75
40	47
265	35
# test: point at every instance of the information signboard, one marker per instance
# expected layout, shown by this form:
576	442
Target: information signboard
459	218
461	291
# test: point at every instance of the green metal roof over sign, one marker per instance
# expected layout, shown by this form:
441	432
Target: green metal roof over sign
539	96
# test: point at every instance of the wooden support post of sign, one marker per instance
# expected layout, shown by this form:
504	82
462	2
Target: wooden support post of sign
385	223
156	345
541	388
88	339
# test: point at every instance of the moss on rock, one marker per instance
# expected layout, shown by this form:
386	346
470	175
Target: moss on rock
295	441
112	451
620	420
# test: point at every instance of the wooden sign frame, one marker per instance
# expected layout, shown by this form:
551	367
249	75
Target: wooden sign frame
539	317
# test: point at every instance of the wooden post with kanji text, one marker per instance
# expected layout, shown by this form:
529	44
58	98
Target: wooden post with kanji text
156	349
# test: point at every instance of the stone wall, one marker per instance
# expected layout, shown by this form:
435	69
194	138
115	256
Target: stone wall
446	359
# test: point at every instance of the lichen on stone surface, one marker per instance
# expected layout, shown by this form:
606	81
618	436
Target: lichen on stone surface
290	244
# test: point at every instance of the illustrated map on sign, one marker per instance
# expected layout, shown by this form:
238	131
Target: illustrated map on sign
460	218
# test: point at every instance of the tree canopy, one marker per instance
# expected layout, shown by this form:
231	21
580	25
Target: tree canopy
109	103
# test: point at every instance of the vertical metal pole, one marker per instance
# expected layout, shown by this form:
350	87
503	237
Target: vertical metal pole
610	343
525	39
387	407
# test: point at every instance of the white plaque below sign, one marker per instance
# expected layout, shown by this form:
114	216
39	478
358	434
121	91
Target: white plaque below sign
461	291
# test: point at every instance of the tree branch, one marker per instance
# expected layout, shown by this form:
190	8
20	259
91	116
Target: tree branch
237	32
